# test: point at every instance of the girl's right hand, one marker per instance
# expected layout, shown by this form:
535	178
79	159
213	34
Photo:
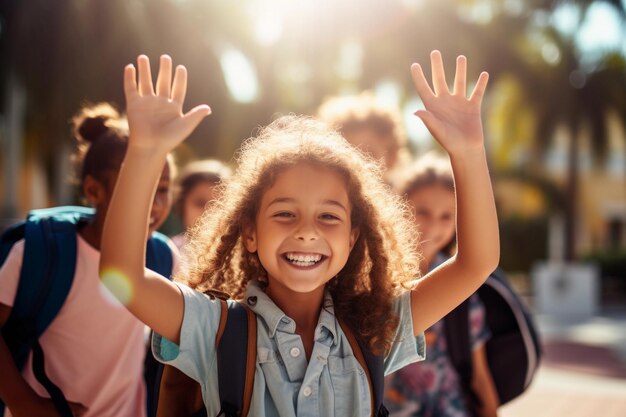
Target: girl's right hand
44	407
156	119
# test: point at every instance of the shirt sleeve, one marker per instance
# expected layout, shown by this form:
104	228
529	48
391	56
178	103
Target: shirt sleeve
406	348
196	354
10	274
479	331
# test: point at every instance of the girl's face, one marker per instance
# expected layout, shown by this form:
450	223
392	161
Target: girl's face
195	202
434	207
303	233
161	204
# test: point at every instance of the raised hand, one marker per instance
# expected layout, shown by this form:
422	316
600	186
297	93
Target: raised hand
156	119
450	117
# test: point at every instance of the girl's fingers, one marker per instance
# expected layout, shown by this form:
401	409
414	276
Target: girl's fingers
164	79
179	87
439	74
430	121
130	82
145	76
194	116
460	80
421	85
481	86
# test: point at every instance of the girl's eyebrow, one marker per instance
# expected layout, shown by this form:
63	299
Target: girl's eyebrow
293	200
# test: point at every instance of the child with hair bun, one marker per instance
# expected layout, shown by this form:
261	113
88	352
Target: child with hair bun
94	348
307	235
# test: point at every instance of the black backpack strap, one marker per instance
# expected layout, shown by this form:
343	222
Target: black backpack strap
56	395
456	325
235	375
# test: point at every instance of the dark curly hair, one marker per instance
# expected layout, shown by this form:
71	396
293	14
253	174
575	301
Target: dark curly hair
383	262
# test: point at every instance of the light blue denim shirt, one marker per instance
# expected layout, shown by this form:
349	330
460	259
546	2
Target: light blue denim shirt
332	383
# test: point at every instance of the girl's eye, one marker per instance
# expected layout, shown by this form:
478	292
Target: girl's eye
283	214
163	190
328	216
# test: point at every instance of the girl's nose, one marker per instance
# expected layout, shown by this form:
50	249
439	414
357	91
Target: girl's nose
306	231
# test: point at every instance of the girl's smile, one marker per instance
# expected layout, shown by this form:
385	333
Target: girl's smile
303	233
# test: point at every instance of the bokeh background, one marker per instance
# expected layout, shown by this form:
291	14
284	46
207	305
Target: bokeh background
554	115
555	119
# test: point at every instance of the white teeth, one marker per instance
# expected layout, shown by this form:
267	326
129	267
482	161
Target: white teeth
303	260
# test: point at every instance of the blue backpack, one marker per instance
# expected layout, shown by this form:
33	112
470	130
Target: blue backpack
46	277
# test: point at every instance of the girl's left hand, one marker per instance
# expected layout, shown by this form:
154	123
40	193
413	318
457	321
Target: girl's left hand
156	118
450	117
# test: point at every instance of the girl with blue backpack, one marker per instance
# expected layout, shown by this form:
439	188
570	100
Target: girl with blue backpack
307	235
53	305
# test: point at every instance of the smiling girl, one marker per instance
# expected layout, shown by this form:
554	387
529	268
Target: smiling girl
307	234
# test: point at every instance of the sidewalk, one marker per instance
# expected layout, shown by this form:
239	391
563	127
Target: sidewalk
583	371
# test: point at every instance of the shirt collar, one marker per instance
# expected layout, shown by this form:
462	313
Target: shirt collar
275	318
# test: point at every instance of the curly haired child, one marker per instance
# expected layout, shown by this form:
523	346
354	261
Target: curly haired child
373	127
307	235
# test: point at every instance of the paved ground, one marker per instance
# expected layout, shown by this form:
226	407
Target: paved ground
583	371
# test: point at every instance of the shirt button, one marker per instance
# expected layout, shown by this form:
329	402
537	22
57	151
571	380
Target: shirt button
294	352
307	391
251	301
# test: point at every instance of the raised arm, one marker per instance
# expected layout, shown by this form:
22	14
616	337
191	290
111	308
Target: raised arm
157	125
455	122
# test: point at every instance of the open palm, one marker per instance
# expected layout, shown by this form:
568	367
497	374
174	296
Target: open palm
156	118
451	118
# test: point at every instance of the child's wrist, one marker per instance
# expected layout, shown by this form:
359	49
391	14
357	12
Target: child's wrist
478	151
145	152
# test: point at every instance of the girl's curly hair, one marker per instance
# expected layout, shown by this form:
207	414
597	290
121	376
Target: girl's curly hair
383	261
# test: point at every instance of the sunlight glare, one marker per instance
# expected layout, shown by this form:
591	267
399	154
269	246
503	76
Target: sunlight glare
118	285
566	18
269	28
551	53
601	30
388	93
416	131
349	64
239	75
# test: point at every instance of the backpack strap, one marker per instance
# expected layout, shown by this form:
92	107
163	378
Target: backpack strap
236	338
457	333
456	327
373	367
159	255
46	276
159	259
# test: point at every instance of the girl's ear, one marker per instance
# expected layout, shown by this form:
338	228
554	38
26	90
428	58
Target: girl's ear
93	190
354	235
249	238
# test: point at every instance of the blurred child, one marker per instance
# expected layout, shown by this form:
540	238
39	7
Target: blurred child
432	388
94	347
194	189
307	234
374	128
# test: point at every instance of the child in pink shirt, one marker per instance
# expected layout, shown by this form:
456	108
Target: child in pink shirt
94	348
